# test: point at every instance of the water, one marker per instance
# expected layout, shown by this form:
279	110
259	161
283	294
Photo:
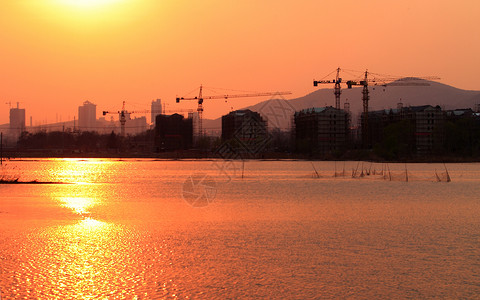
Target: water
149	229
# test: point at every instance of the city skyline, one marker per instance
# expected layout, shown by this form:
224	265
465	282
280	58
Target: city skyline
381	97
285	183
59	53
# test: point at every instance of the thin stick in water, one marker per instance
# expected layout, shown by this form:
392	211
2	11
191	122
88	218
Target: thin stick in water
243	166
318	176
448	175
436	175
406	173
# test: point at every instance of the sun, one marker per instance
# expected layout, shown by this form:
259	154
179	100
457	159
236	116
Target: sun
80	14
87	4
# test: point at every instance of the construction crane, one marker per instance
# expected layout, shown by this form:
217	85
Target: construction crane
178	111
174	111
201	98
382	81
122	114
336	90
165	110
10	104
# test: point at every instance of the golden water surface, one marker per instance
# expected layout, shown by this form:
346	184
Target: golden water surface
148	229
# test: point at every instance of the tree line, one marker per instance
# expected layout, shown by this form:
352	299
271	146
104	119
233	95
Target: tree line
86	141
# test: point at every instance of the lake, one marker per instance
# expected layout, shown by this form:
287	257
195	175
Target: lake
207	229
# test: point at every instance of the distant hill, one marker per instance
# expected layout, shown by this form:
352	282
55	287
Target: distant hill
436	93
446	96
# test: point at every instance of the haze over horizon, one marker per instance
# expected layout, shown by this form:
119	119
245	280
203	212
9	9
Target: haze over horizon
58	53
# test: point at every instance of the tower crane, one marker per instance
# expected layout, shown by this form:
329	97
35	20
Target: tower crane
122	114
10	104
172	111
201	98
382	81
337	91
165	110
178	111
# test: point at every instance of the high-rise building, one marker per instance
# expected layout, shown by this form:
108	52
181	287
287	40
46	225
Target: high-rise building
156	110
87	116
17	121
422	127
321	129
173	132
245	133
243	125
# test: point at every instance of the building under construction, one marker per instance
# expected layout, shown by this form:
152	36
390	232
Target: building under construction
321	130
245	132
243	124
17	122
173	132
87	117
422	126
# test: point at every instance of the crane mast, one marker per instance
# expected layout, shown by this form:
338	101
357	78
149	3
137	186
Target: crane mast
365	98
387	81
201	98
337	90
200	111
123	119
122	115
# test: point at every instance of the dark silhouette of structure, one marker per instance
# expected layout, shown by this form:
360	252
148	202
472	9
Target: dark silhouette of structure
87	116
321	130
243	124
156	110
245	132
17	121
422	127
173	132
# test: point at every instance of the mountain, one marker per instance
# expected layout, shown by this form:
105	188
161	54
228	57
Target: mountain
381	97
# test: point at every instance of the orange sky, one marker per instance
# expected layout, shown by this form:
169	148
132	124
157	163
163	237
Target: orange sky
55	54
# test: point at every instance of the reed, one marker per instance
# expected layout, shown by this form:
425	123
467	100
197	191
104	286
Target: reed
318	176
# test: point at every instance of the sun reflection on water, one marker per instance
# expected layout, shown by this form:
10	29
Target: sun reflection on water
90	223
75	170
79	205
81	257
88	191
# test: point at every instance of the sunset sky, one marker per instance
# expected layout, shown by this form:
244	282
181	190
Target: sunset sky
55	54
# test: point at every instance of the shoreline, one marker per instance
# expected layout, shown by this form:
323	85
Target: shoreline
200	155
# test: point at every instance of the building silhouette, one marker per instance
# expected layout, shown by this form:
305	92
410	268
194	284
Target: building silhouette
321	130
245	133
173	132
87	116
243	125
156	109
17	121
429	127
422	126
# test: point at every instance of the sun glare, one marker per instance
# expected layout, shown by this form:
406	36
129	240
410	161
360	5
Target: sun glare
79	205
83	15
88	3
